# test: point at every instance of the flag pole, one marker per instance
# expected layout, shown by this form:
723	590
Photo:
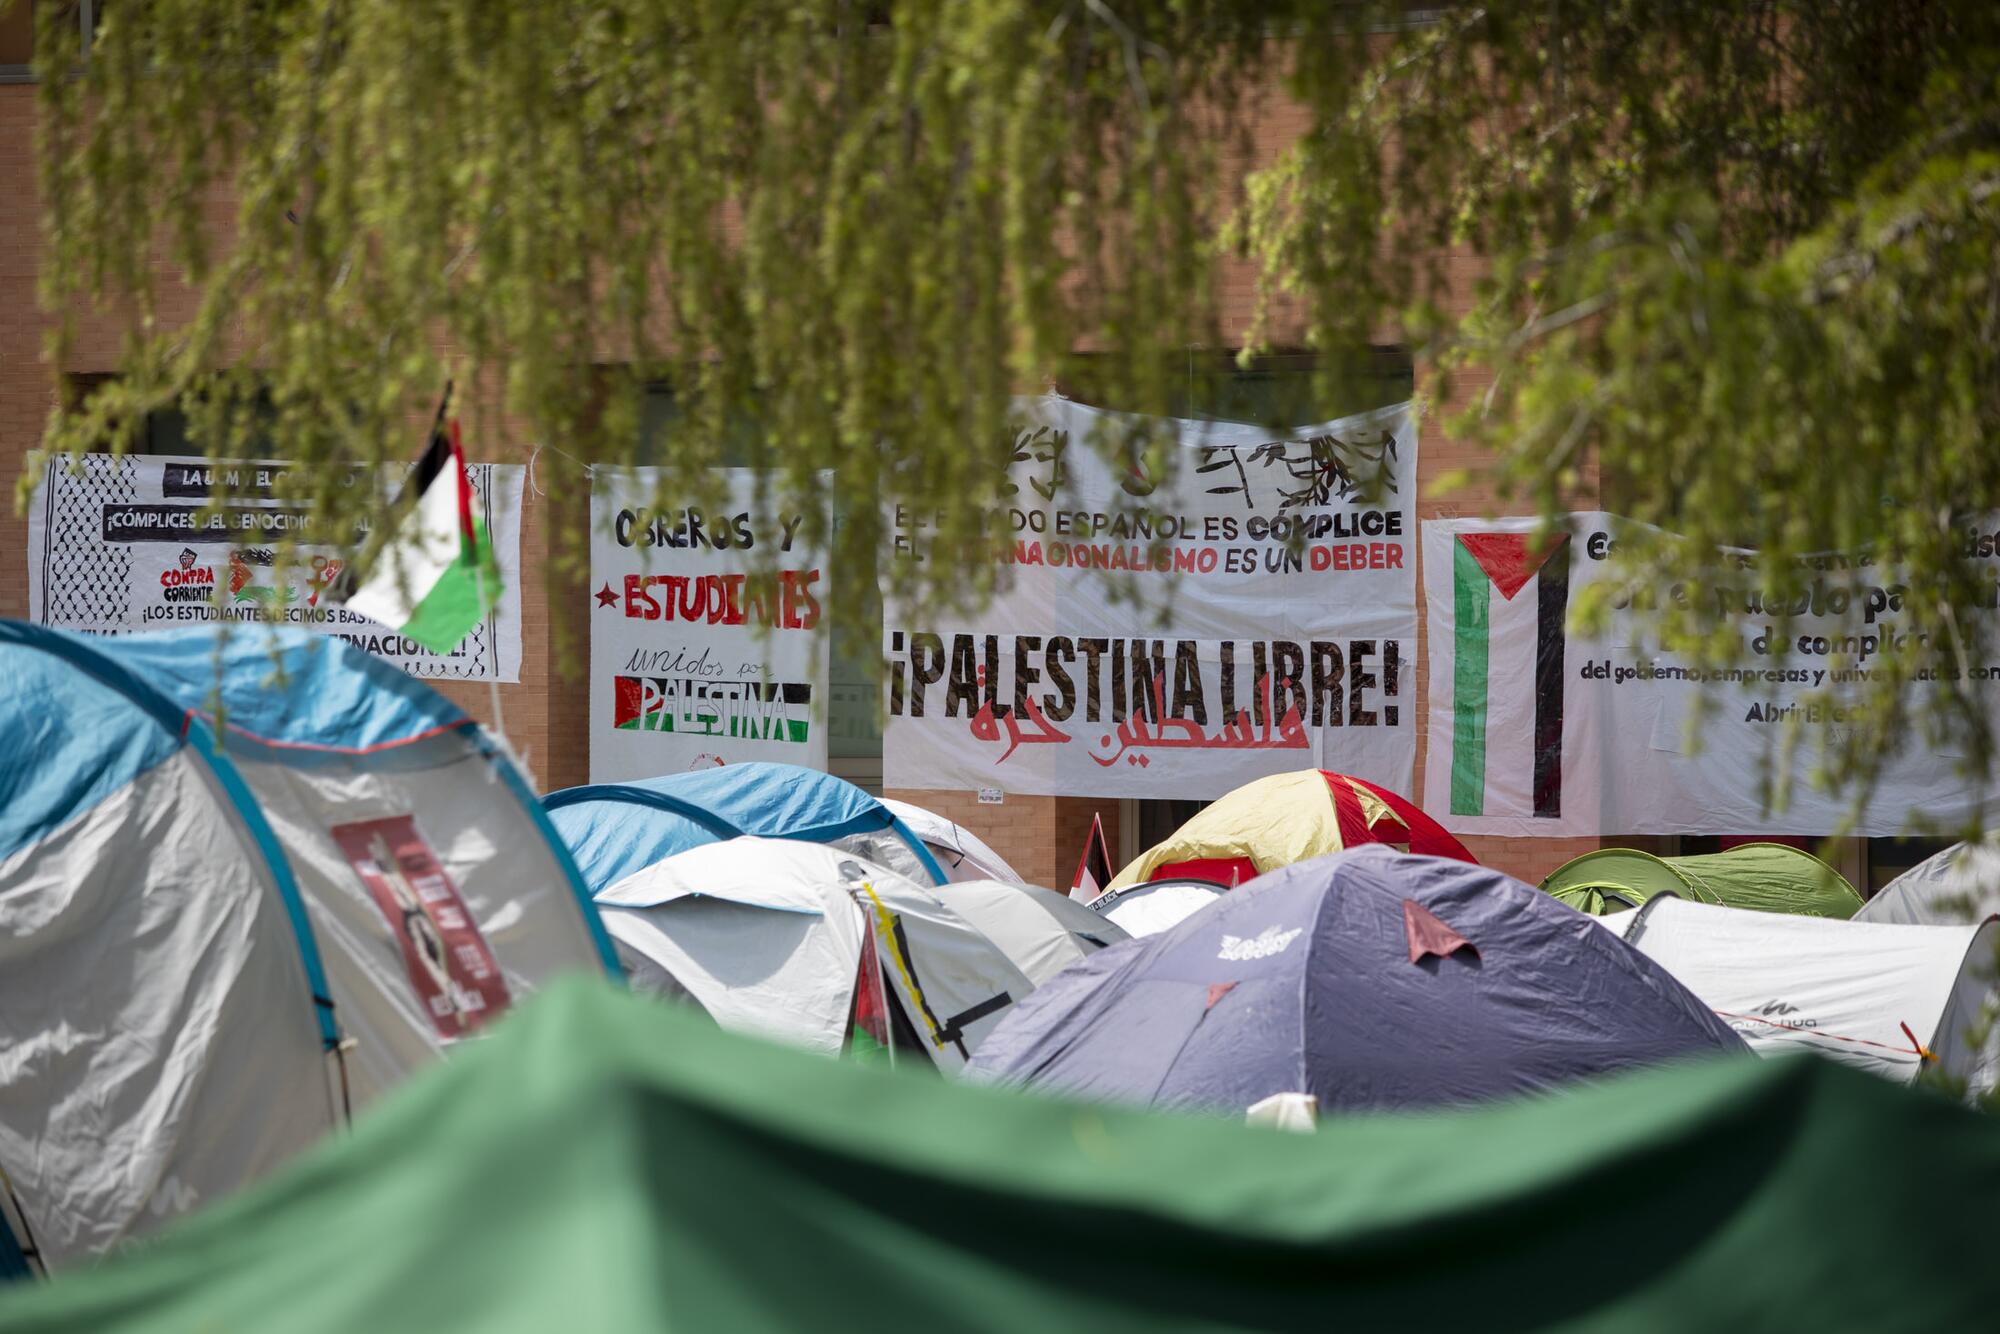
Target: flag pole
471	539
882	997
493	681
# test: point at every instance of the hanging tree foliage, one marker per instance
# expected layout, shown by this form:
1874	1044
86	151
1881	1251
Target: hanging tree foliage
1738	258
841	238
1741	271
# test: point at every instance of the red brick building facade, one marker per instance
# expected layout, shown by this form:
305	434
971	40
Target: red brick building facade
546	713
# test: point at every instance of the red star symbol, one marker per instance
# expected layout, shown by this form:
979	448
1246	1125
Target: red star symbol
605	597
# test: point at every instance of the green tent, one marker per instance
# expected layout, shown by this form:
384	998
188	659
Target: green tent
603	1162
1767	877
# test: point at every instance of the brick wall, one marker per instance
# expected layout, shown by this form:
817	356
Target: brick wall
24	383
543	716
546	713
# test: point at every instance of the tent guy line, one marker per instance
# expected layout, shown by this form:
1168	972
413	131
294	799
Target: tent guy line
1917	1049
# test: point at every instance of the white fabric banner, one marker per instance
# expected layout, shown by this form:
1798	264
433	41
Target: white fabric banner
1274	627
705	641
1535	732
117	544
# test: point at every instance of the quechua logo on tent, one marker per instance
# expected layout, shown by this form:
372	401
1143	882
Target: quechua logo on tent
1271	940
1488	571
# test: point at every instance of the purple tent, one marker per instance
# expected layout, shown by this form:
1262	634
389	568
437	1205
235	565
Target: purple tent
1369	978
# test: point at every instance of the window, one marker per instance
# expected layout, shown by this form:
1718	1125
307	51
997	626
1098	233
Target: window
17	38
17	32
1281	389
165	431
1890	857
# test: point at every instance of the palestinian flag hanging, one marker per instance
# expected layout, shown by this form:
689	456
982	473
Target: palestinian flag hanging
435	577
1507	674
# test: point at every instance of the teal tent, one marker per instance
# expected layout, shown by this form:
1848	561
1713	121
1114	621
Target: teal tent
1763	877
606	1163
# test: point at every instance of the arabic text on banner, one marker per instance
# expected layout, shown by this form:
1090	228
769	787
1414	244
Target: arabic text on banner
705	642
1286	564
1535	731
120	543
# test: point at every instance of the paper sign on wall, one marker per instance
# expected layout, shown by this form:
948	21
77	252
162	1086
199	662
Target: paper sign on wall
701	653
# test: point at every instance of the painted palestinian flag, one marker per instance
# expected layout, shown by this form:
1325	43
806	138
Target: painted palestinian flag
1507	739
748	710
435	577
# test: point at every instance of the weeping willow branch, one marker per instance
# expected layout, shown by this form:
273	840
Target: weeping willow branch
842	236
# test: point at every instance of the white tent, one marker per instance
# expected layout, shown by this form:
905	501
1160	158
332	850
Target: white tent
1042	931
771	936
1960	884
962	854
220	936
1871	994
1152	906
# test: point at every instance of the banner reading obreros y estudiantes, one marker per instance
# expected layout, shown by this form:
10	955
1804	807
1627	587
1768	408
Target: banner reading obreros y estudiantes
120	543
705	644
1285	567
1535	731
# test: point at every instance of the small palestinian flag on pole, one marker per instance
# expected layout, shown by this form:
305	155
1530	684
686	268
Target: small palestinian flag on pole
433	578
1093	869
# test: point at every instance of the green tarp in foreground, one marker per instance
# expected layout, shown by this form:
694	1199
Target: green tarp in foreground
603	1163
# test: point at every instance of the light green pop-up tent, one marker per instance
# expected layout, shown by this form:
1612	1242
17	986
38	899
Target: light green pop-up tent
603	1162
1765	877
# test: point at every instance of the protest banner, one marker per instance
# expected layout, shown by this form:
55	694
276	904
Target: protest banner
124	543
1537	731
706	645
1248	612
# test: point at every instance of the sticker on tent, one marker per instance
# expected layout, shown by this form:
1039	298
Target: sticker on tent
449	964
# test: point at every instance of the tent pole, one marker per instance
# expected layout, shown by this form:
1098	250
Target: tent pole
882	994
31	1251
493	681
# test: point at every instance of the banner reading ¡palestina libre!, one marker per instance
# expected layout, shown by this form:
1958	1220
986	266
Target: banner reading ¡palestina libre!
705	642
1285	565
120	543
1536	731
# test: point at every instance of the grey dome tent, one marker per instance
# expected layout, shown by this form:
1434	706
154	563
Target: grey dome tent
221	933
1042	931
806	943
1960	884
1369	978
1892	998
615	829
960	853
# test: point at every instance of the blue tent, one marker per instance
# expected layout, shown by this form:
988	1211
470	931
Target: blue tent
251	880
1369	978
614	829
